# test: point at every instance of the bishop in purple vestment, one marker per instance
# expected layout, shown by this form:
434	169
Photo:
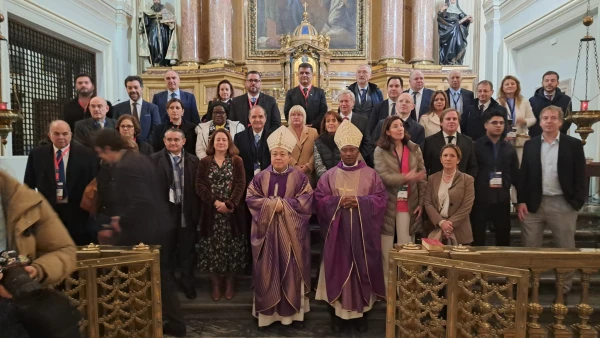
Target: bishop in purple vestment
350	200
280	201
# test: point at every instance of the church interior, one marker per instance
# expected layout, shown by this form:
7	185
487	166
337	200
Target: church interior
45	44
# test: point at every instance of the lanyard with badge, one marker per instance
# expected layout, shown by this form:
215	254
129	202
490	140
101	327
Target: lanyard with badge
495	176
402	195
306	95
456	99
60	186
250	103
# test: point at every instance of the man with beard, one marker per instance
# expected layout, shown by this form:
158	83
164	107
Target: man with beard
311	98
146	112
241	105
78	108
158	38
350	199
550	95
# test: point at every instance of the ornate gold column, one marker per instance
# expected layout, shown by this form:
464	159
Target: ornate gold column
422	32
392	23
221	17
189	37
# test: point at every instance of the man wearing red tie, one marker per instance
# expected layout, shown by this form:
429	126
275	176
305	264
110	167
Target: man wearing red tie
311	98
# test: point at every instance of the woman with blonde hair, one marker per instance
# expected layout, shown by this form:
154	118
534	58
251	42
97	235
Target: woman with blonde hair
302	157
520	114
432	121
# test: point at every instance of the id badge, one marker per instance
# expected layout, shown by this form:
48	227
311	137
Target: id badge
402	193
496	179
59	190
171	195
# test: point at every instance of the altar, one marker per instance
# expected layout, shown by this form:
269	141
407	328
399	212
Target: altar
223	39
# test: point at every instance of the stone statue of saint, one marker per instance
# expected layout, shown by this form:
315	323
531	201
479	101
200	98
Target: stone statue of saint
453	26
158	38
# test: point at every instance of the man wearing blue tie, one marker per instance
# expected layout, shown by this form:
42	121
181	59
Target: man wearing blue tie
85	130
174	92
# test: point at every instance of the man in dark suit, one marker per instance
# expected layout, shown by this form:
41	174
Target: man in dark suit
146	112
252	144
551	188
311	98
366	94
549	94
174	92
387	107
78	108
421	95
241	105
473	119
85	130
449	134
403	108
460	98
346	100
76	167
182	200
140	215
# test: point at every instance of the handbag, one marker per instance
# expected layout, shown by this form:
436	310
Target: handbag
437	234
89	200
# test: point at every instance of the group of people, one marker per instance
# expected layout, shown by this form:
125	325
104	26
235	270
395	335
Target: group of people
234	189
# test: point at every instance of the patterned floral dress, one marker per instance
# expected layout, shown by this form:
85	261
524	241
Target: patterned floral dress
222	252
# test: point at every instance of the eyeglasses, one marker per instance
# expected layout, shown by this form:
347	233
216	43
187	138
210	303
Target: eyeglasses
253	80
126	126
497	123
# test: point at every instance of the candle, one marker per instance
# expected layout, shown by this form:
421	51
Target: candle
584	105
2	105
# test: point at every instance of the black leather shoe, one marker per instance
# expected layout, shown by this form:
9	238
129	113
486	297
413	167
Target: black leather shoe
174	330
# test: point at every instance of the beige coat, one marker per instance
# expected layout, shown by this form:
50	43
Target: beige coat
34	229
303	153
461	195
386	165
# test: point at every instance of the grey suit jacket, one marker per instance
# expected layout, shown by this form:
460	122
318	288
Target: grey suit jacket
85	130
149	118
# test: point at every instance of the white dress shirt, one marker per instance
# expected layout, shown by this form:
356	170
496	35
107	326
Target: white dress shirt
485	105
177	94
419	99
550	183
259	134
349	116
446	137
390	104
250	97
138	104
65	158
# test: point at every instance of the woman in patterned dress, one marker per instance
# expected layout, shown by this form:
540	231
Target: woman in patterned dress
220	184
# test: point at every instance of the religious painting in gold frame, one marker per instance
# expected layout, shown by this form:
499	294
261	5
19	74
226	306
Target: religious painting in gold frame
345	21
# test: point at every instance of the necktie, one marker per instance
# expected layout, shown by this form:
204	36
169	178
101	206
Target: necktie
61	172
549	97
346	119
393	109
134	112
173	95
305	90
256	139
481	108
177	181
413	113
363	95
253	100
450	138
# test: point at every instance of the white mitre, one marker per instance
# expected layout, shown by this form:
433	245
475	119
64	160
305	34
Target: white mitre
282	138
347	135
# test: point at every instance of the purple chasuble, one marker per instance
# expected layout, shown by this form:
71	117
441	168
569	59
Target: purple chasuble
280	241
352	250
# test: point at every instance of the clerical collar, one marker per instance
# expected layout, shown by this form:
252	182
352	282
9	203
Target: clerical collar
350	166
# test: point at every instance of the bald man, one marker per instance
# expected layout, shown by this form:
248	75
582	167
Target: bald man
85	130
173	91
403	108
459	97
60	172
421	95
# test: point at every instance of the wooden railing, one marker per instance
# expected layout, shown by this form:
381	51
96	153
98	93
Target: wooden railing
469	292
117	291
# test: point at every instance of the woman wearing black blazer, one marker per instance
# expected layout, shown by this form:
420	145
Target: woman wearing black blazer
224	94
